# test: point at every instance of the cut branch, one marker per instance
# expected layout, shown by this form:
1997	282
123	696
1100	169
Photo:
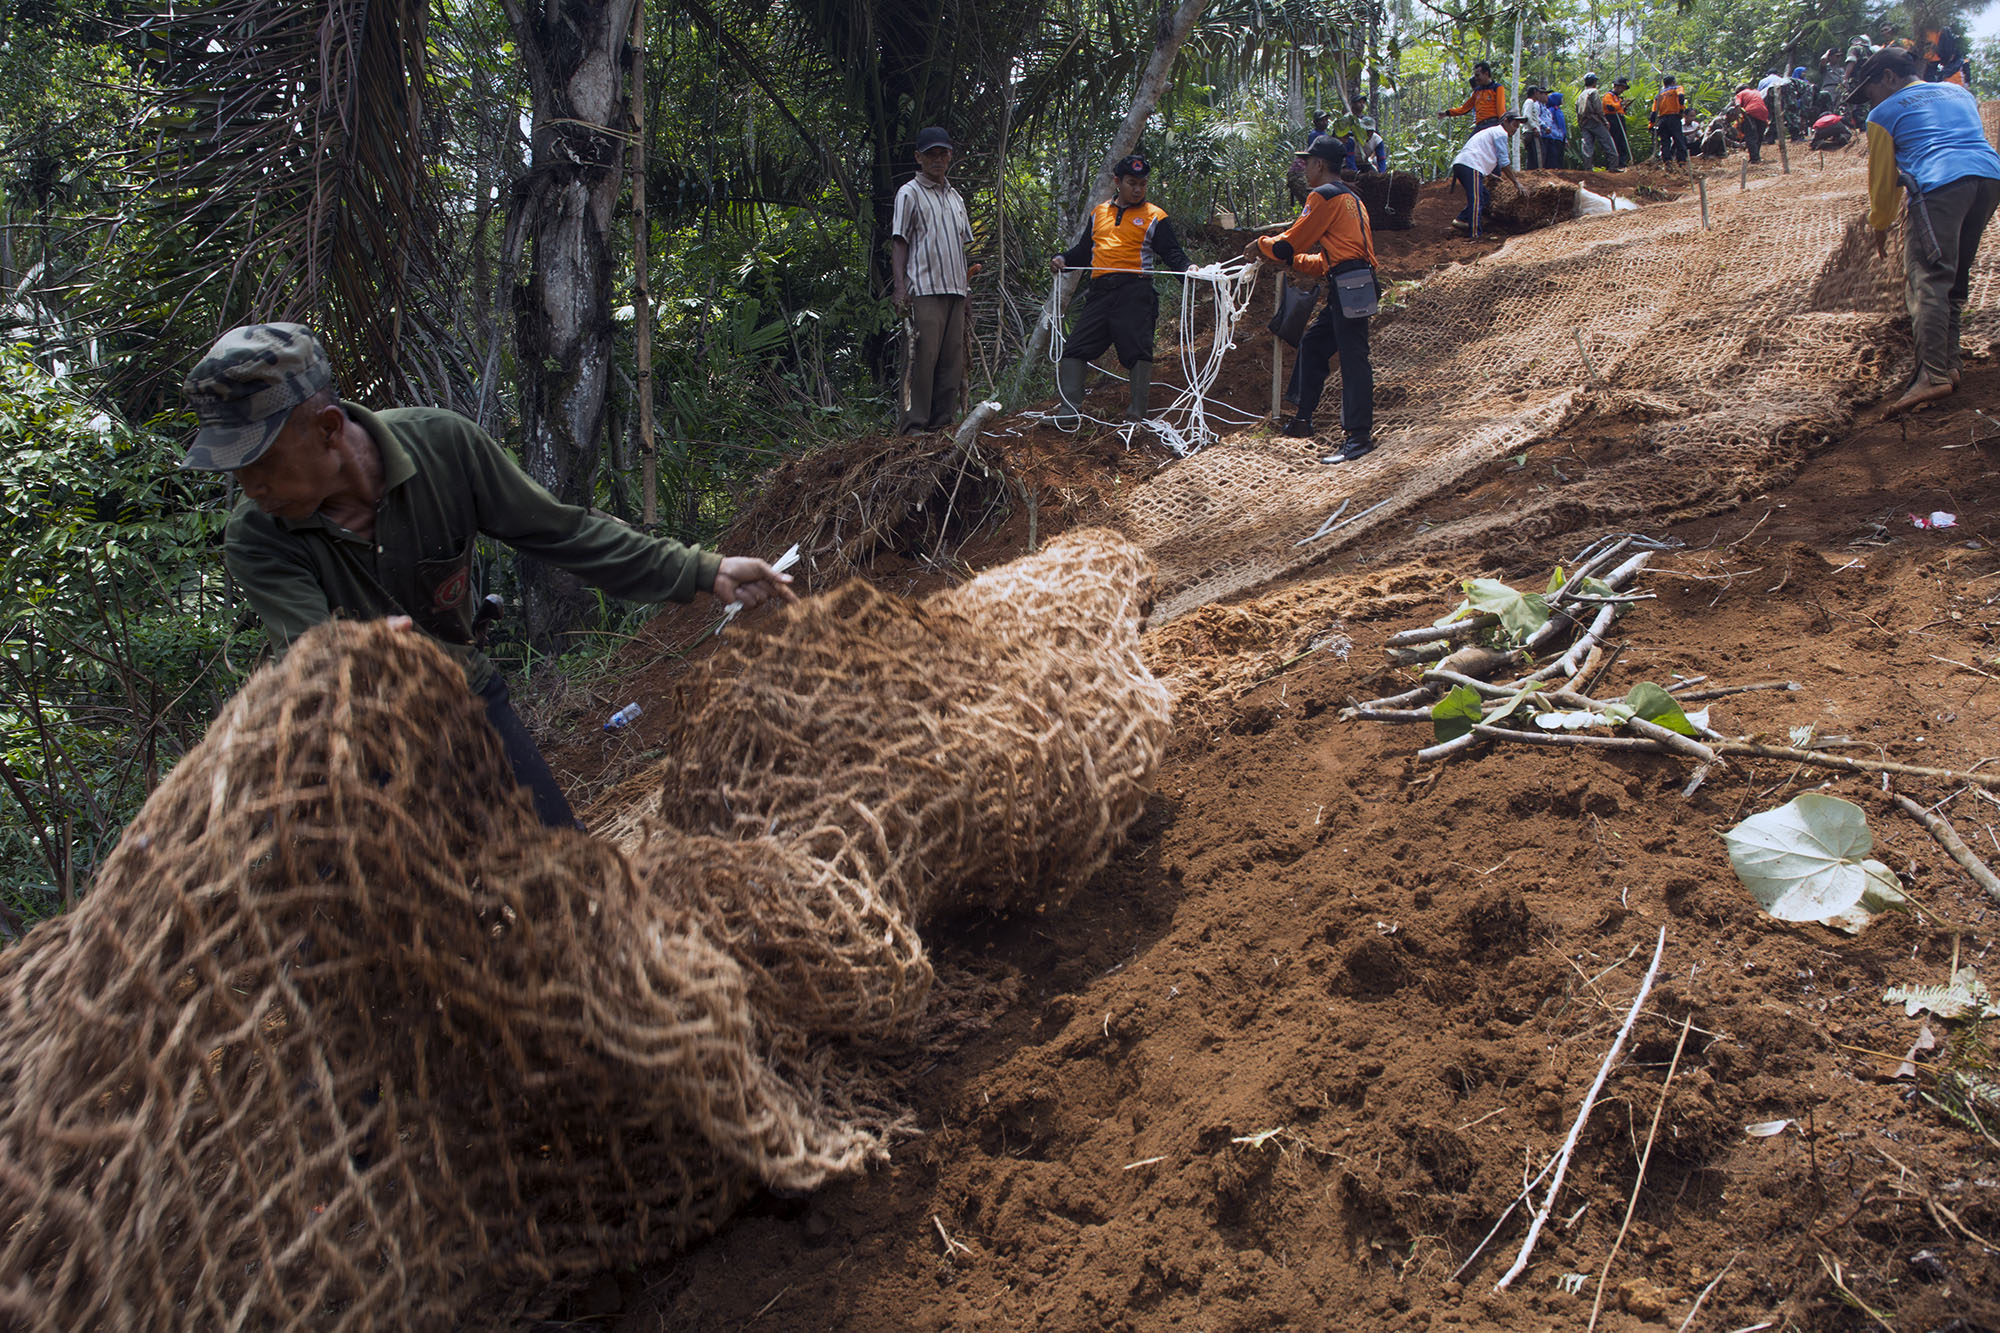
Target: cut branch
1954	846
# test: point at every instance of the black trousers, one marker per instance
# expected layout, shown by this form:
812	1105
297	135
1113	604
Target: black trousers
1673	140
530	769
1330	335
1117	310
1618	137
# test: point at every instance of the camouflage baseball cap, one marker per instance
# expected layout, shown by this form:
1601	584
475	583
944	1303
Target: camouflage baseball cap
245	388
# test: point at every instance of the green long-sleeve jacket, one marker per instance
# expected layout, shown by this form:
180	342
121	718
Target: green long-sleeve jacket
445	483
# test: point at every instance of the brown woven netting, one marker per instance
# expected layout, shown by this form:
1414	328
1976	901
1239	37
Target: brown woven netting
342	1038
1736	350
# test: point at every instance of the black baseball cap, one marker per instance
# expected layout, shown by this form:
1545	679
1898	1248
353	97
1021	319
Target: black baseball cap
1133	166
934	137
1328	150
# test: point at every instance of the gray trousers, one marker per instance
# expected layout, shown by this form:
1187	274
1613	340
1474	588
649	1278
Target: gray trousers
933	364
1590	139
1936	288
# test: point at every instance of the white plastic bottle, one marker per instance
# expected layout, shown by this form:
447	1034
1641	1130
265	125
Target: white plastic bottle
623	717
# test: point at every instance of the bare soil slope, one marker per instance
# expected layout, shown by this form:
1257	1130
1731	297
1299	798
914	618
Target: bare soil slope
1286	1061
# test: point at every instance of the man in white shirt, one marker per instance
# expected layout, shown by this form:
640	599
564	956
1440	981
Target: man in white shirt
1484	153
930	231
1533	118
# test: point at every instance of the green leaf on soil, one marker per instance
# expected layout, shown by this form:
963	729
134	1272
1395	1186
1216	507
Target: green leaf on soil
1654	704
1506	710
1807	861
1453	715
1521	613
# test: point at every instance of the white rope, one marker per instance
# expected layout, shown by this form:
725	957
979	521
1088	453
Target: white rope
1184	425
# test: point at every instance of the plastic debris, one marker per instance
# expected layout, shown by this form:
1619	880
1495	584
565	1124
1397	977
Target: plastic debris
624	717
1938	518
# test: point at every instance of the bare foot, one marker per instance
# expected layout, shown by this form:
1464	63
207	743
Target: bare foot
1922	392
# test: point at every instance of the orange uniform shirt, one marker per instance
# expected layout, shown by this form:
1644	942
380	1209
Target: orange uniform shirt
1331	231
1488	103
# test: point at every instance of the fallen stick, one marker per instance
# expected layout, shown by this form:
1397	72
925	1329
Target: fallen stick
1430	633
1501	1221
1698	695
1673	740
1990	781
1632	1204
1713	1282
1720	747
1615	580
1445	749
1366	714
1582	1115
1954	846
1400	700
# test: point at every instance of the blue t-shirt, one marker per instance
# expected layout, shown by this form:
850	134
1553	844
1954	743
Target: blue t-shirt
1938	135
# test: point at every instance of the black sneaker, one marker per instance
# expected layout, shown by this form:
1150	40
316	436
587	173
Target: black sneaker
1349	451
1298	428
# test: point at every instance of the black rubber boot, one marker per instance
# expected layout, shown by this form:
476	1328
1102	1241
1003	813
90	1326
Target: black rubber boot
1142	391
1069	385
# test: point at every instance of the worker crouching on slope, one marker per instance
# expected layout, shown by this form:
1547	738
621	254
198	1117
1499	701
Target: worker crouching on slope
1484	153
1927	139
1126	237
365	515
1332	237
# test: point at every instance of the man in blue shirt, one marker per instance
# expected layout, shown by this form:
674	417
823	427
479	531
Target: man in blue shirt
1926	138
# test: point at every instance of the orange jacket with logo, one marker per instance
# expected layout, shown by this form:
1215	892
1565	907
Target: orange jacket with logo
1614	105
1488	103
1669	102
1332	230
1127	240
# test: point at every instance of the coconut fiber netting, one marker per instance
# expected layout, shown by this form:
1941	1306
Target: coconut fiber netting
1730	350
342	1038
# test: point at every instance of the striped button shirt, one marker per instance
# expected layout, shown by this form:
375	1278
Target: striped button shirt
932	221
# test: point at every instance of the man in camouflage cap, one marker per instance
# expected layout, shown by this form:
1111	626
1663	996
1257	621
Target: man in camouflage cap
348	512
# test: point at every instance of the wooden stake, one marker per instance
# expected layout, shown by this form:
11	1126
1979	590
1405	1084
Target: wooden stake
642	291
1778	123
1954	846
1701	183
1744	183
1278	357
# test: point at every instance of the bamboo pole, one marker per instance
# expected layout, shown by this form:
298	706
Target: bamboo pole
1278	357
642	290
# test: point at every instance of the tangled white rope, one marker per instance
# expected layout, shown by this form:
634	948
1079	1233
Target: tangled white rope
1183	425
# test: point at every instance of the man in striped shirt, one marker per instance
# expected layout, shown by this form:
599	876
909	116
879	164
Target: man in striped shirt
930	231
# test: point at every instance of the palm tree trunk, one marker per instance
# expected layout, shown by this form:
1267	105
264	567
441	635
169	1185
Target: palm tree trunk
561	229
